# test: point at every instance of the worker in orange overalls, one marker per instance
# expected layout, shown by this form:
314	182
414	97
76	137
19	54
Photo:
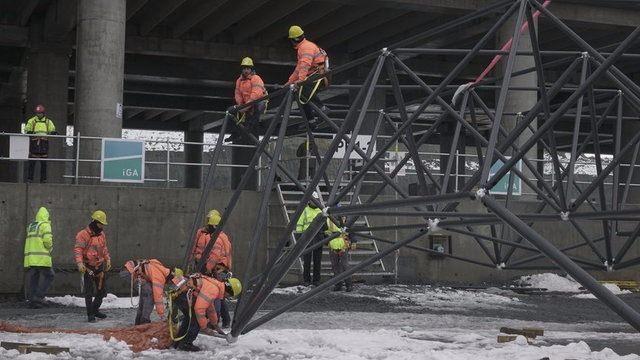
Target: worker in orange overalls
249	87
93	260
152	276
312	60
219	261
204	290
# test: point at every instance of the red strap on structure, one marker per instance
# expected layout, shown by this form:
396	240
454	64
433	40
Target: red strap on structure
507	46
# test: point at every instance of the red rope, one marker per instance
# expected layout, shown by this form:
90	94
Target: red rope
507	46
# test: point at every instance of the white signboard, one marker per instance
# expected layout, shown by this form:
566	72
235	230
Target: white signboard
119	110
362	141
393	159
18	147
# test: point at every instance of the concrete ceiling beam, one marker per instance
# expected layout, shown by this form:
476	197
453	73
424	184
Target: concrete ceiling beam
269	16
162	9
207	50
28	7
196	16
234	13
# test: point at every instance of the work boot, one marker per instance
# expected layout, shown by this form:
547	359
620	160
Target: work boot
91	318
188	347
337	287
349	288
100	315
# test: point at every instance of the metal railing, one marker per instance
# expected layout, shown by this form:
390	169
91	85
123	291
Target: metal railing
172	147
78	157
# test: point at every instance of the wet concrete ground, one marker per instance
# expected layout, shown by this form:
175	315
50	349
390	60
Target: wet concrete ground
565	318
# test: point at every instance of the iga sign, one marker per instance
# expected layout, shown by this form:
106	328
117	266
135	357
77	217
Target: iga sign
122	161
362	141
502	186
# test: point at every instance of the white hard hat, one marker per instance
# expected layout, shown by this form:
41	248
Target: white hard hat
315	195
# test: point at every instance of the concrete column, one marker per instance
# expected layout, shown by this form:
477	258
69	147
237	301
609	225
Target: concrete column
518	101
10	118
193	154
99	74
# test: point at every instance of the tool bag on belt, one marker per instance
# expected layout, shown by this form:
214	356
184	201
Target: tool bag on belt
39	146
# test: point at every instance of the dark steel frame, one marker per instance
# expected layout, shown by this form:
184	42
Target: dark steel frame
439	212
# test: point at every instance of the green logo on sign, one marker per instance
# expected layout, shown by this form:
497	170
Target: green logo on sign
122	161
502	186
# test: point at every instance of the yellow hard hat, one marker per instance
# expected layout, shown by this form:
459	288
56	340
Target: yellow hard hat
214	217
100	217
247	62
295	31
236	286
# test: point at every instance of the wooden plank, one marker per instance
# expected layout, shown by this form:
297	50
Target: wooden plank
26	348
506	338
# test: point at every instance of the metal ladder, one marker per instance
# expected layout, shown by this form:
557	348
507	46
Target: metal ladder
290	196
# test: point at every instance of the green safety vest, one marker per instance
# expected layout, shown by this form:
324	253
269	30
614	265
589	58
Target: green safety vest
40	126
37	247
337	243
308	215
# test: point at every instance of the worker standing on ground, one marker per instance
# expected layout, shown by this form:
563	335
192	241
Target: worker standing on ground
220	258
93	260
312	60
153	276
339	247
198	301
37	259
38	145
221	249
249	87
308	215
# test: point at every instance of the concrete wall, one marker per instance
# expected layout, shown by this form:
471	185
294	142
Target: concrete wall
143	223
419	267
148	222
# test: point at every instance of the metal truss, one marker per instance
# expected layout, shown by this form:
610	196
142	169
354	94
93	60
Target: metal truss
563	201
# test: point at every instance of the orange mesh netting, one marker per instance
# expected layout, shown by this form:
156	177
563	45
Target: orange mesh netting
139	337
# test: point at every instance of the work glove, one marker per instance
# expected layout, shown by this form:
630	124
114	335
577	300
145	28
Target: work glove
353	246
233	109
107	267
82	268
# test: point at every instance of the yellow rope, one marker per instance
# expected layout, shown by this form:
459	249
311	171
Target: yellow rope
313	92
170	316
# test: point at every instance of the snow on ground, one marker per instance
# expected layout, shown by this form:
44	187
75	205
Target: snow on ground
109	302
612	287
555	282
346	344
428	323
425	296
551	282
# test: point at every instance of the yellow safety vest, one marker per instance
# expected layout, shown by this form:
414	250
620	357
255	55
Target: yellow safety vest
37	247
40	126
307	217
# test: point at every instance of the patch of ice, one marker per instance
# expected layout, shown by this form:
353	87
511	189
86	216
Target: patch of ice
611	287
109	302
436	297
291	290
551	282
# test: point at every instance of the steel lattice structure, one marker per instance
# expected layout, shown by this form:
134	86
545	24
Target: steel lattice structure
440	211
